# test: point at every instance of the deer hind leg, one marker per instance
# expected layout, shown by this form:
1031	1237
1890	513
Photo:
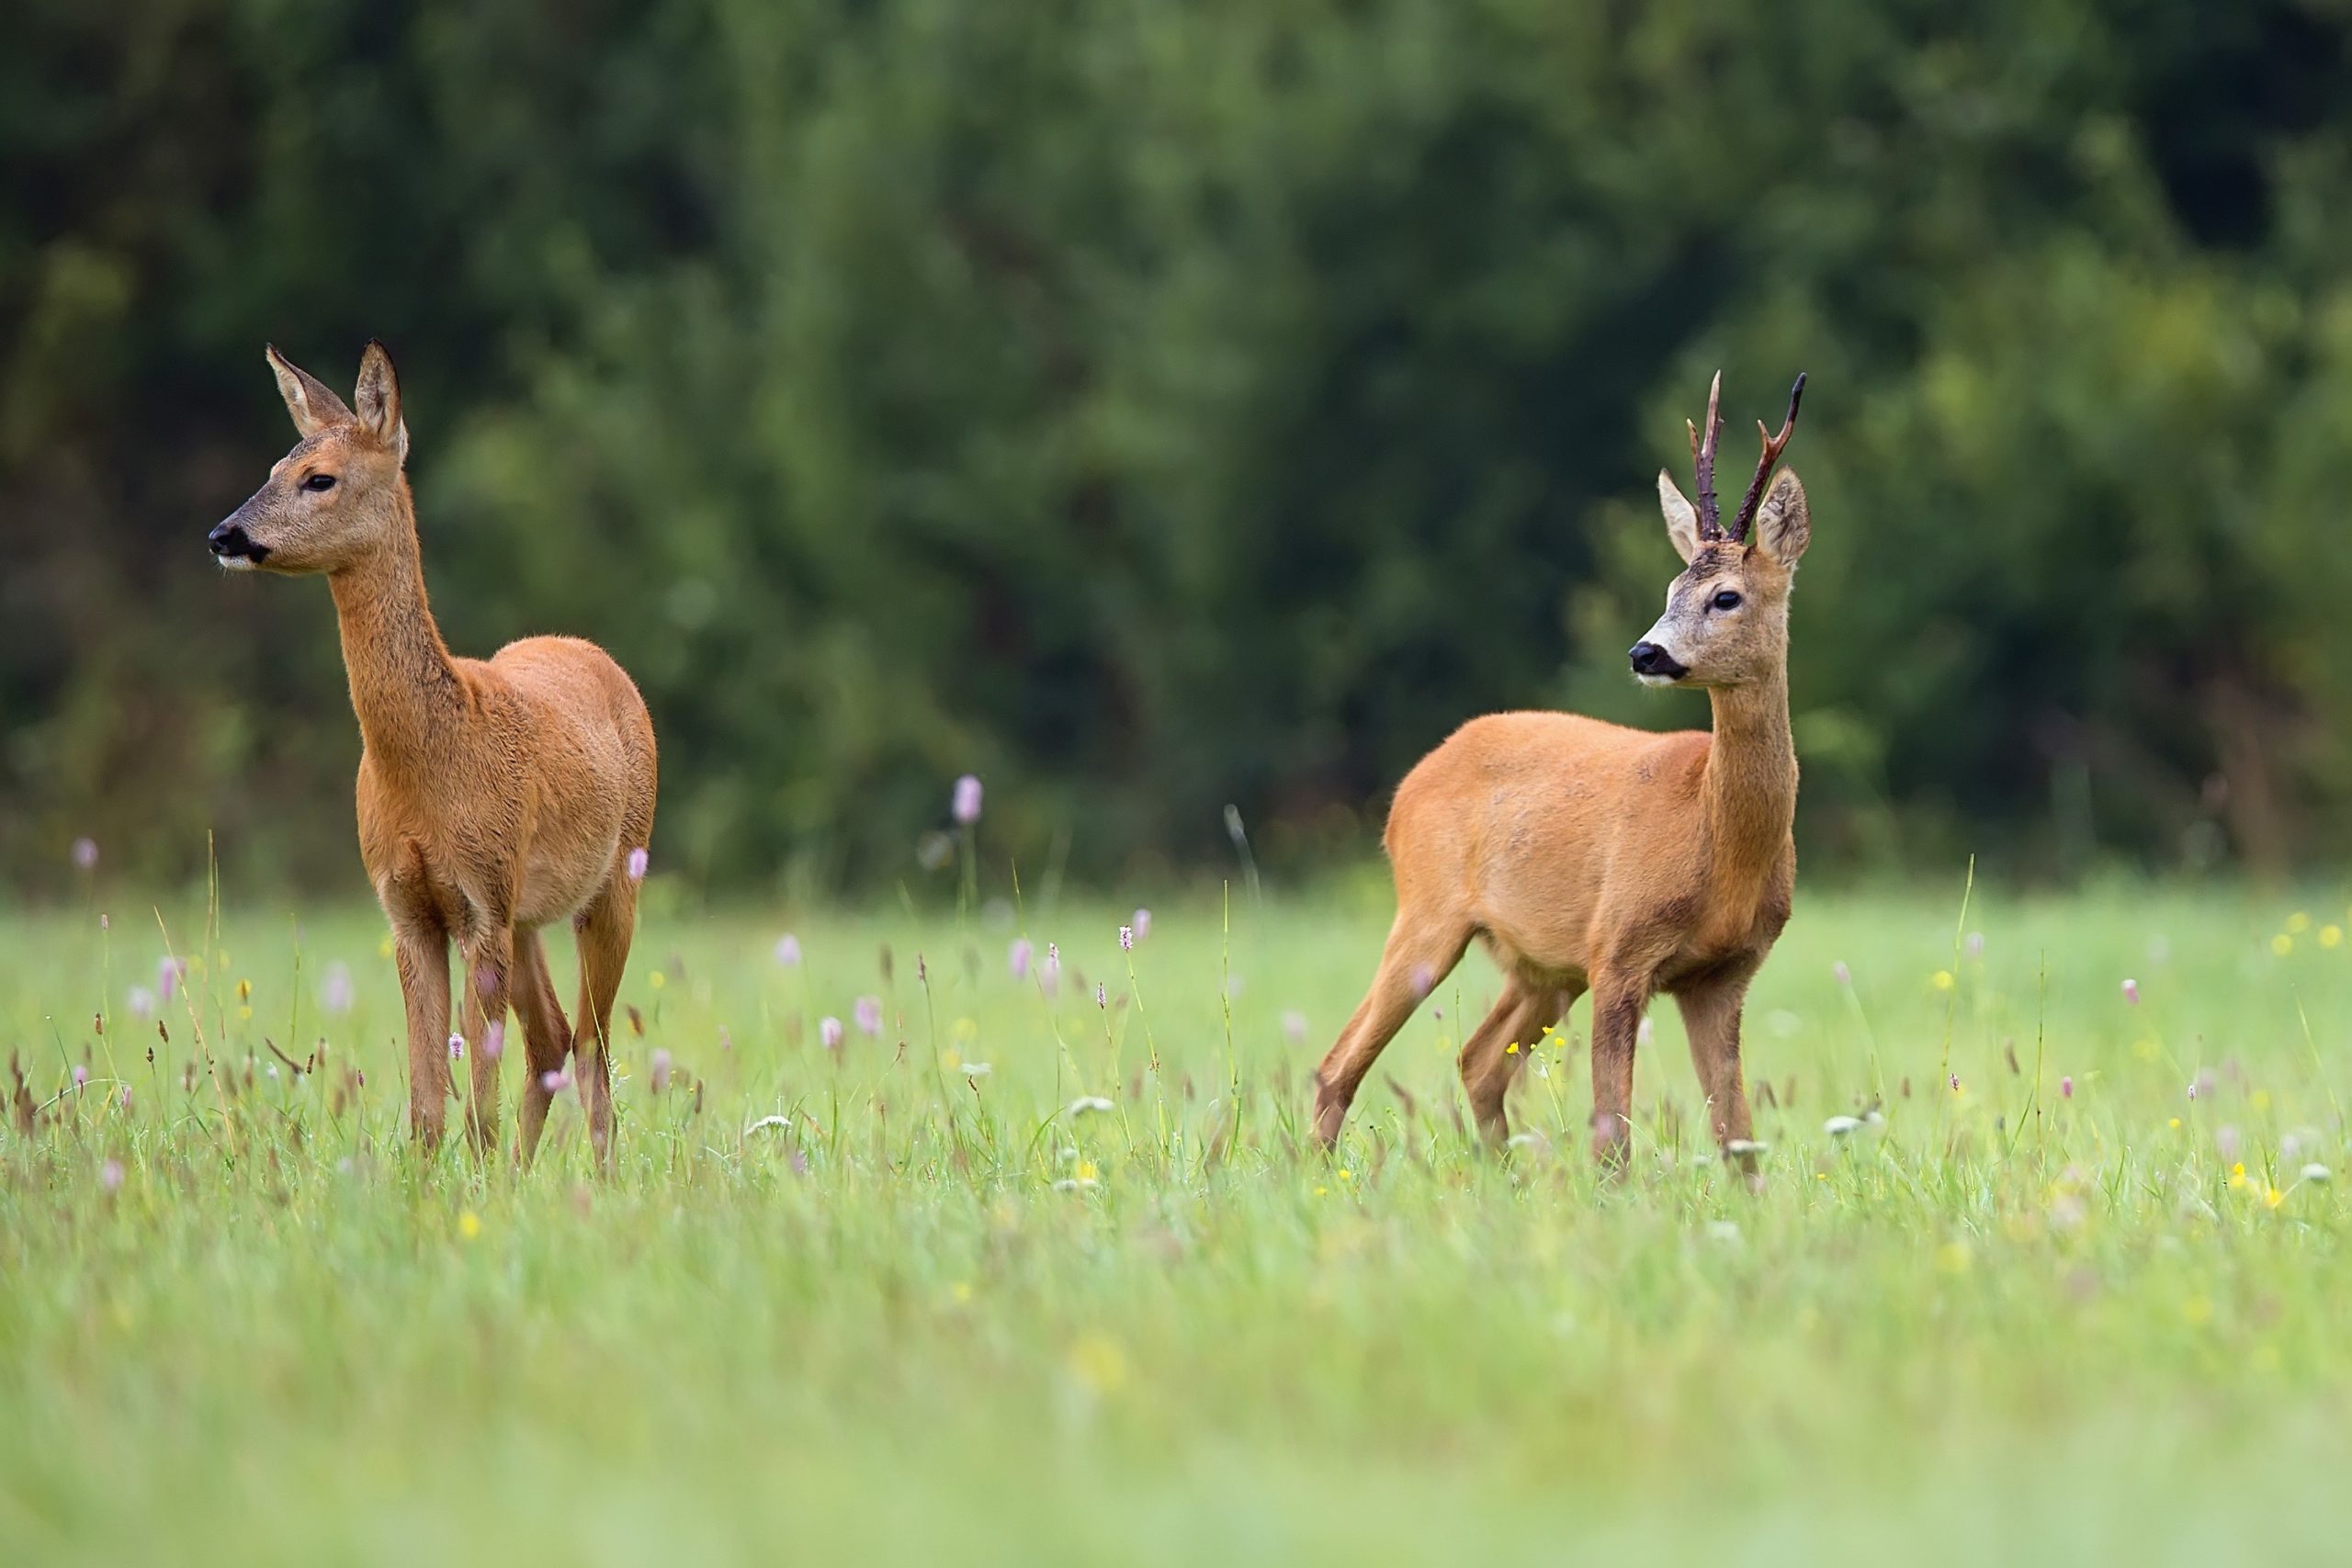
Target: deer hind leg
545	1036
1418	956
488	960
421	950
1488	1062
1617	1003
604	928
1711	1015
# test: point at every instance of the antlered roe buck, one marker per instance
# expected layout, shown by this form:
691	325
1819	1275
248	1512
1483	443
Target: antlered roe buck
1592	857
494	797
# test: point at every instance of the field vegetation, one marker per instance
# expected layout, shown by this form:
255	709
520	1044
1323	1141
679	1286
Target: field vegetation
1030	1264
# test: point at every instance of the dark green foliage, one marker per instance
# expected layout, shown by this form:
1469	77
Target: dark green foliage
1149	407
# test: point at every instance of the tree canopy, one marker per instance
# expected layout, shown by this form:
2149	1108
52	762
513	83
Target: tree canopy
1148	408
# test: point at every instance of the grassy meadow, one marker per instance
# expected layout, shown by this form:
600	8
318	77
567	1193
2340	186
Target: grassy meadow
1022	1276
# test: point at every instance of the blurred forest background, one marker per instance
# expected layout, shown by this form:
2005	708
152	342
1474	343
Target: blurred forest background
1152	407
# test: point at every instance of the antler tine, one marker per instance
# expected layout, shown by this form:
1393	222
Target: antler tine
1773	447
1702	459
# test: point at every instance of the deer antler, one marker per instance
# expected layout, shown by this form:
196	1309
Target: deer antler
1703	458
1773	445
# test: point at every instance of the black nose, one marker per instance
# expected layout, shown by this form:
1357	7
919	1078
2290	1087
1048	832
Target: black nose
230	542
1649	659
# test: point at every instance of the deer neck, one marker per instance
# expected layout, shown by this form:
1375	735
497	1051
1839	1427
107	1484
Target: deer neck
404	689
1751	782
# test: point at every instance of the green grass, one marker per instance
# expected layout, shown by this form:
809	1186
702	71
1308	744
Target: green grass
2006	1322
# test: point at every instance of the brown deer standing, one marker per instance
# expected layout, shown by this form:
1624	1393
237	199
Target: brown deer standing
1592	857
494	797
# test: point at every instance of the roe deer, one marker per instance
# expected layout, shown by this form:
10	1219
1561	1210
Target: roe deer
1591	857
494	797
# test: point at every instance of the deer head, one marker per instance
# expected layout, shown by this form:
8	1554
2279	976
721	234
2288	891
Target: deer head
1726	621
338	494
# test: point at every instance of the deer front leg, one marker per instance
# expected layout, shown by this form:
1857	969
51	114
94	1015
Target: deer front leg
489	963
422	953
1617	1003
1711	1015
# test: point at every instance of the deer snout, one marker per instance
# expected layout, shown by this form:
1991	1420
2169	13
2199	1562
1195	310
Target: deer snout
1653	662
232	546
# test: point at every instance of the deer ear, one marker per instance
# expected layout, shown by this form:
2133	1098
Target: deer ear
1681	518
379	399
1784	526
313	405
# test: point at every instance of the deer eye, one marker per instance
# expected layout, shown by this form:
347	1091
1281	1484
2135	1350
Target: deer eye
1726	600
319	482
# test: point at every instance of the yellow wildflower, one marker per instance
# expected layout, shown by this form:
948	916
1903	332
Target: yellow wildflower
2237	1174
470	1225
657	979
2282	944
1952	1258
2260	1100
2331	936
1942	980
1098	1363
2298	923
